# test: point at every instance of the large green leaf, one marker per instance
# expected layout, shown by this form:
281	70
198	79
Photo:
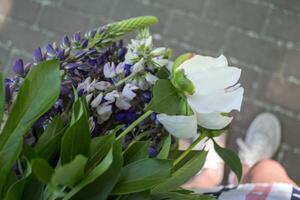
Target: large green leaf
165	98
2	97
70	173
165	149
183	174
231	159
142	175
37	94
99	148
103	185
136	151
93	175
76	139
42	170
49	143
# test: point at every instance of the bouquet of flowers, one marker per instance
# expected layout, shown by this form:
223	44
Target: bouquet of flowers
93	118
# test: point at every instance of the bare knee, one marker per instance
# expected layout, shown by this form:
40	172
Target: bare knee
267	171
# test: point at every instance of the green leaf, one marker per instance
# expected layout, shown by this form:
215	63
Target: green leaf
42	170
69	174
49	143
91	177
37	94
165	149
15	192
145	195
180	196
136	151
183	174
142	175
103	185
76	139
2	97
50	132
163	73
231	159
165	98
99	148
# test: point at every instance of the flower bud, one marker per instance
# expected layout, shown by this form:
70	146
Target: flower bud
182	83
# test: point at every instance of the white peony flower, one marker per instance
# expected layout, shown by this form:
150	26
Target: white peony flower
216	92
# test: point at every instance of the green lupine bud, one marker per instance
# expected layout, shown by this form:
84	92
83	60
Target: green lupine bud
180	60
182	83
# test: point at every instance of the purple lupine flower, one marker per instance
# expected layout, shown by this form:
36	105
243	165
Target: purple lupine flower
60	54
76	37
19	67
37	55
8	82
65	43
146	96
152	151
50	51
84	43
64	90
121	53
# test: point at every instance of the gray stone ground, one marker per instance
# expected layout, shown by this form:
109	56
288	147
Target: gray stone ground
260	36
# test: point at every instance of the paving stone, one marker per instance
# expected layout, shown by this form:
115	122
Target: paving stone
92	7
291	63
133	8
237	13
262	53
291	162
201	34
195	6
21	37
279	91
284	26
25	10
63	21
290	5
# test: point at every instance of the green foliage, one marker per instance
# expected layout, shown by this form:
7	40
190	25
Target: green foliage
231	159
164	93
164	152
136	151
76	139
182	174
142	175
2	97
34	99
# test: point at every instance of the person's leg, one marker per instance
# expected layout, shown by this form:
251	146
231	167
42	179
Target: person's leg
261	142
212	173
267	171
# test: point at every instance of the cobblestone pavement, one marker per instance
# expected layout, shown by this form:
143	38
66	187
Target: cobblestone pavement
260	36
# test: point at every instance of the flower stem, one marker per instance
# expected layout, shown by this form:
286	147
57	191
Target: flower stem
121	82
188	150
134	124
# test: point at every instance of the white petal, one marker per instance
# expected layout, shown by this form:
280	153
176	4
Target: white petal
138	67
104	112
180	126
217	102
106	70
214	79
128	91
213	120
111	96
102	85
201	63
158	51
123	103
88	98
151	78
95	103
120	68
160	61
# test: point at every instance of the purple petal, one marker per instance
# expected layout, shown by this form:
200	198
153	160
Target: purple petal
152	151
60	54
121	53
84	43
79	54
7	90
72	65
64	90
66	42
19	67
76	37
50	50
37	55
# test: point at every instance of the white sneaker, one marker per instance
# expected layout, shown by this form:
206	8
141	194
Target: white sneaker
262	139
